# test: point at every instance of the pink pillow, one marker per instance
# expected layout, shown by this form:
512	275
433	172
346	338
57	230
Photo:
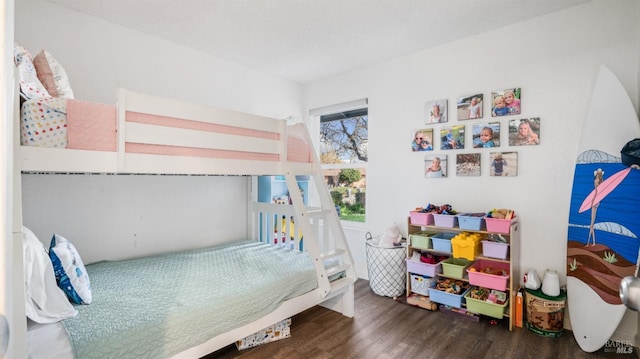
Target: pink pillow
44	73
52	75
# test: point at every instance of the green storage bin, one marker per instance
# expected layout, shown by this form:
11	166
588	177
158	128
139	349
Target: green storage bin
455	267
484	307
421	240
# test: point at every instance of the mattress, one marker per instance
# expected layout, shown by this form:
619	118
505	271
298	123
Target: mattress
157	306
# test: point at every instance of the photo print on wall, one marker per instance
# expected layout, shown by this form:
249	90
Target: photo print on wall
524	132
436	111
452	138
503	164
468	164
435	166
506	102
486	135
470	107
422	140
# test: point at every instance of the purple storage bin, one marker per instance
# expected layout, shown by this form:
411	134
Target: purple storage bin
430	270
495	249
445	220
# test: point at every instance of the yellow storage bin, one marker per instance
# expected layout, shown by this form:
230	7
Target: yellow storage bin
467	245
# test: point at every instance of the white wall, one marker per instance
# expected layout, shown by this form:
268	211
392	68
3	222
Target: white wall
554	59
99	56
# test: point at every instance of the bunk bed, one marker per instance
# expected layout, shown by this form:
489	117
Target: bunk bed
145	134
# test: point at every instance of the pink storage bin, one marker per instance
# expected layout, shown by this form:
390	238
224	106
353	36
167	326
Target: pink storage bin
495	249
445	220
498	225
492	281
421	218
429	270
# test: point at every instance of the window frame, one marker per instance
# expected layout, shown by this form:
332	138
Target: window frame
314	128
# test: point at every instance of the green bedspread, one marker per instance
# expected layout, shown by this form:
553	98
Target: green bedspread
158	306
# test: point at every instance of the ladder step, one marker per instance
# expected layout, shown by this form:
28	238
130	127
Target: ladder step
341	283
332	253
317	212
337	269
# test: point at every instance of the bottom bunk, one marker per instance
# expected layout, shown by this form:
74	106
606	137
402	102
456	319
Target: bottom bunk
182	305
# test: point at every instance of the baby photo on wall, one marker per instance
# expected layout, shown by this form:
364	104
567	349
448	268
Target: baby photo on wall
452	138
468	164
525	131
436	111
506	102
435	166
486	135
470	107
503	164
422	140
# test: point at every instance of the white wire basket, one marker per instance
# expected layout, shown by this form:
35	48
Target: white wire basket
387	268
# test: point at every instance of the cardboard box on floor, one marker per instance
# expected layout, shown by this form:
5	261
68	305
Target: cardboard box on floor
280	330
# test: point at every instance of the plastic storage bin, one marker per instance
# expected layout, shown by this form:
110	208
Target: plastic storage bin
455	267
421	284
451	299
471	221
445	220
421	240
421	218
387	269
489	274
430	270
498	225
485	307
442	242
495	249
467	245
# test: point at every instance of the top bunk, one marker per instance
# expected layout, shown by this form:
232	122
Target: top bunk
145	134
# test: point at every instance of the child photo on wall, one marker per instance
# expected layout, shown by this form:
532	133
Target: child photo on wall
486	135
470	107
468	164
435	166
422	140
503	164
506	102
524	132
452	138
436	111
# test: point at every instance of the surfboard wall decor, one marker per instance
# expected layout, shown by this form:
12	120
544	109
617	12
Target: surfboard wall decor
604	216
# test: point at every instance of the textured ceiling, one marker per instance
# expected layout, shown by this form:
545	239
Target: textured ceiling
308	40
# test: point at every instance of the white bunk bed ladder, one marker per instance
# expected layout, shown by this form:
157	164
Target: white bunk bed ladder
329	249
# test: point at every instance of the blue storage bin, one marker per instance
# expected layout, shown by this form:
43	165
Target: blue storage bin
471	221
442	242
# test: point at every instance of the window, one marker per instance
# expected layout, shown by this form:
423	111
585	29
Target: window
343	155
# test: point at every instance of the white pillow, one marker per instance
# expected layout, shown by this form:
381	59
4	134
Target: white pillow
44	301
70	272
30	85
52	75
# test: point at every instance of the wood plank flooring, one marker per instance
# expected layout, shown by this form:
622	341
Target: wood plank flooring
384	328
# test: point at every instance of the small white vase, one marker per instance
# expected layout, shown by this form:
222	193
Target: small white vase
551	284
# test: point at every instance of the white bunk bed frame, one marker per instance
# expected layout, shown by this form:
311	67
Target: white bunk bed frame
323	234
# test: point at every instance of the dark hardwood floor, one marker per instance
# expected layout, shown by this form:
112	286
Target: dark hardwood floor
384	328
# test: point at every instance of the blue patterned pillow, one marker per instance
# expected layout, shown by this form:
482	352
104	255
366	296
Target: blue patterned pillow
70	273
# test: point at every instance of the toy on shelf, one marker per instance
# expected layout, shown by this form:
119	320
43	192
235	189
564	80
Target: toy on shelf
501	213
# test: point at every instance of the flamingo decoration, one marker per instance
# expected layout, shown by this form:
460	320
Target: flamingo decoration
600	191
